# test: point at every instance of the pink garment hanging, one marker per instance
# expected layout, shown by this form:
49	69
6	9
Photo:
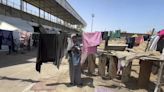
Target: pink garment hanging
161	33
139	40
92	39
90	43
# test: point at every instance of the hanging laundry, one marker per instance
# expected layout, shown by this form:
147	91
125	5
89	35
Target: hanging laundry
7	37
160	45
16	38
160	41
130	41
139	40
1	36
24	37
90	43
112	35
51	49
105	35
117	33
161	33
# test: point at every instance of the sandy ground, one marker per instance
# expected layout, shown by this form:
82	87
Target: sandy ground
17	74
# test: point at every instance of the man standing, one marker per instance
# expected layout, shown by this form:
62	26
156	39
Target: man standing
74	52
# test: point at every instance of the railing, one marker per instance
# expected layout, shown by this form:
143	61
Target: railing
55	20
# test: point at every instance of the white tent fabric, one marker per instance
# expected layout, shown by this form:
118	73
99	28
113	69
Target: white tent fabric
16	23
6	26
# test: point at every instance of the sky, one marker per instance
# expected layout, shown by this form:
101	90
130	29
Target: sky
137	16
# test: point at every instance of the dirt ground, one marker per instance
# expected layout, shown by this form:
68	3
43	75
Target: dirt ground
58	81
17	74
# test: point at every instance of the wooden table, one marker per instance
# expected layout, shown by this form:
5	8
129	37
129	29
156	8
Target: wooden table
113	65
145	70
112	59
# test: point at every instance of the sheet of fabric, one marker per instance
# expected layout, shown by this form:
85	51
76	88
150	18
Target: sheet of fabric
70	44
146	37
161	33
112	35
160	45
91	59
62	44
24	37
153	46
7	37
90	43
90	50
51	49
139	40
117	33
16	38
130	42
92	39
105	35
83	57
0	42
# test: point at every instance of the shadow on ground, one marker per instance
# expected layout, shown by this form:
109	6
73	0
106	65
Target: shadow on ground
132	85
13	79
15	59
86	82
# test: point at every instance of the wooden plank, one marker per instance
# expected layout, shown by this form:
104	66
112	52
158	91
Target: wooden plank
102	65
144	74
113	66
91	63
126	73
152	59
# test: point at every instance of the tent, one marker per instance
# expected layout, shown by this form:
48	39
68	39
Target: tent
13	24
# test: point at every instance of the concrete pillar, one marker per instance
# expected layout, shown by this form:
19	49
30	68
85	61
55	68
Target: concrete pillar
22	5
26	7
43	14
6	2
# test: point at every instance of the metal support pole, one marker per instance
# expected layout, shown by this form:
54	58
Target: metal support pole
6	2
43	14
49	15
158	85
92	22
39	14
44	11
5	7
160	74
22	5
26	7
